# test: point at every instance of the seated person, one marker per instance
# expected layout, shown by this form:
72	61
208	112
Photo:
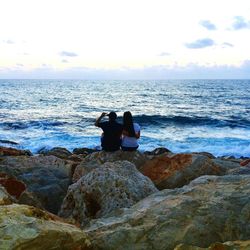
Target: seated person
112	131
130	133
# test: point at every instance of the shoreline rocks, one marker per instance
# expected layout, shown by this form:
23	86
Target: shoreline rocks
114	199
105	189
210	209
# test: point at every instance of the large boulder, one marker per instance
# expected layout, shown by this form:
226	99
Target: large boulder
96	159
46	178
210	209
178	170
13	152
23	227
59	152
104	189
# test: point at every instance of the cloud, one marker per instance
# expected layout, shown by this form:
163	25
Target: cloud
67	53
200	43
164	54
65	61
8	41
240	23
191	71
19	65
207	24
227	45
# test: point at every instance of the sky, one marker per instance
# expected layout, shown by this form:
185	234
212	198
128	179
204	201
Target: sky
125	39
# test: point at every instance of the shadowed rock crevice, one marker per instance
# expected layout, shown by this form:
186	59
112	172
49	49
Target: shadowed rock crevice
92	206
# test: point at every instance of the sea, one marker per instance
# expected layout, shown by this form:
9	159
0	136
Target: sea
181	115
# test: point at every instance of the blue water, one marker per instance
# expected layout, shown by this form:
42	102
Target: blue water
182	115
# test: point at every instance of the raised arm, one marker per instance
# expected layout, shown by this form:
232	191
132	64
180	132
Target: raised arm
97	122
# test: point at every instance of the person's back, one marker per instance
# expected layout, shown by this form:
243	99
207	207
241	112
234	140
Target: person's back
111	139
130	134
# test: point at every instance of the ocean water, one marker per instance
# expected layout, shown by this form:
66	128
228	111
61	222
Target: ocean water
181	115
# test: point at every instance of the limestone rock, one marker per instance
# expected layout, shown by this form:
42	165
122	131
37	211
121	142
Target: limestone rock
46	177
13	152
23	227
111	186
230	245
84	151
62	153
210	209
5	198
178	170
240	170
226	165
157	151
96	159
12	185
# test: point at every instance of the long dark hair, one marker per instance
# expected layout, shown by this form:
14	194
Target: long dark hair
128	124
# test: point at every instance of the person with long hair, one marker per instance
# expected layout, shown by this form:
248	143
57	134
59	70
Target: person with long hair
130	133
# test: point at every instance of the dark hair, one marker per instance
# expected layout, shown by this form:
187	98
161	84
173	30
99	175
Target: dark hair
112	116
128	124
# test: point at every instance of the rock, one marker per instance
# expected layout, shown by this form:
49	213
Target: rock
12	186
178	170
209	155
226	165
5	198
230	245
157	151
98	193
239	171
245	163
210	209
96	159
13	152
84	151
62	153
46	177
24	227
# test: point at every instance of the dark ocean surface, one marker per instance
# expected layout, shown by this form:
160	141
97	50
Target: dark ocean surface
181	115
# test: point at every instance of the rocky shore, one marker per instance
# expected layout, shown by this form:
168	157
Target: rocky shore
88	199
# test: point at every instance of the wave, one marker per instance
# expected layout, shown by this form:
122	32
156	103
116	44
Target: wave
159	120
28	124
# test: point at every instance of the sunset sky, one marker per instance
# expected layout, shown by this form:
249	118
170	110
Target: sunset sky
114	39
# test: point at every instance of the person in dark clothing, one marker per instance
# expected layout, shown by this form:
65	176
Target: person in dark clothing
112	131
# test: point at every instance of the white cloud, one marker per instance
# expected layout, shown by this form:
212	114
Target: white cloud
240	23
200	43
191	71
208	25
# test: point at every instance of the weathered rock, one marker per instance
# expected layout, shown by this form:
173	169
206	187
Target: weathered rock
230	245
24	227
62	153
238	171
12	185
226	165
13	152
210	209
157	151
96	159
178	170
245	163
209	155
5	198
98	193
84	151
46	177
